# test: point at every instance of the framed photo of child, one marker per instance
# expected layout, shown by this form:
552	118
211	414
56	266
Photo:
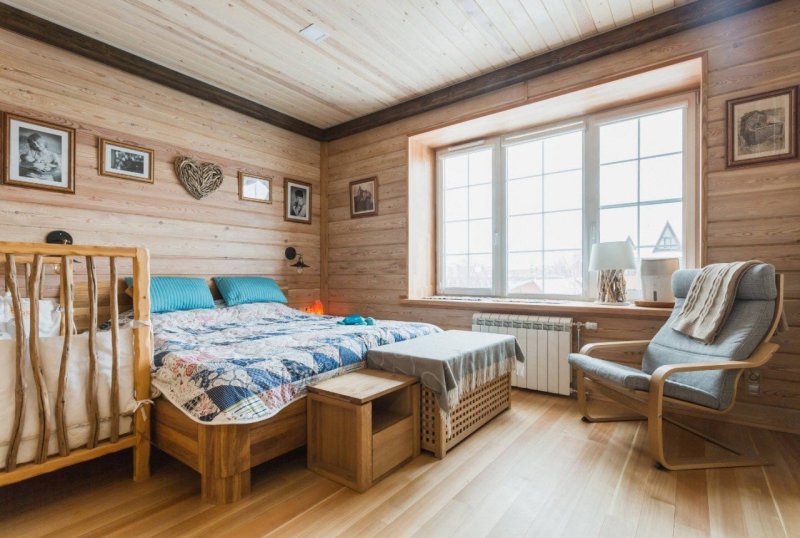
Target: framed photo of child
38	155
364	197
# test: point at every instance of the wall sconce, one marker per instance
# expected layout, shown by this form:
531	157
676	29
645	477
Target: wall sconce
291	253
59	237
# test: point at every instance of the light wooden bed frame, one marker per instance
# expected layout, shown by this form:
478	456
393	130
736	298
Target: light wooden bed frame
224	454
36	257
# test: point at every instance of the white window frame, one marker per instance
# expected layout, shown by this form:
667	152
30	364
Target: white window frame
460	149
590	125
529	135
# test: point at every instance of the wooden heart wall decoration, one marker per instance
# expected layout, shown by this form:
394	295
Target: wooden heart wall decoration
200	179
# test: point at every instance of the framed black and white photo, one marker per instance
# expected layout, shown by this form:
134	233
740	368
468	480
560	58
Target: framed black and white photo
39	155
762	128
297	196
255	188
364	197
126	161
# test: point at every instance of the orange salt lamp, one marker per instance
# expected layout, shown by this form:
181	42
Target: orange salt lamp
316	308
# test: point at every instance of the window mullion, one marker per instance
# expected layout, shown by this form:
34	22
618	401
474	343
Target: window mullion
440	246
591	201
499	207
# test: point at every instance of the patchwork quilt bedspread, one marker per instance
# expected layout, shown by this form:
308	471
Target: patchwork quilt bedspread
245	363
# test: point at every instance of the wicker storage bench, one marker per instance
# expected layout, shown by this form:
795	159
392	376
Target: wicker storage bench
473	411
440	360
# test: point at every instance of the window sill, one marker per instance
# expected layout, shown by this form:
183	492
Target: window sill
542	307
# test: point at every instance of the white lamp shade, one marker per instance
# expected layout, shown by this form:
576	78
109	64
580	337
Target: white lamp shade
612	255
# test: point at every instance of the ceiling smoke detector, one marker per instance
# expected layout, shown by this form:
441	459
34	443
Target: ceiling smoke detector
314	33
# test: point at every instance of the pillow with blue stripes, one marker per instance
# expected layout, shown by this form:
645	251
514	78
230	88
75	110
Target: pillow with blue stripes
249	289
172	293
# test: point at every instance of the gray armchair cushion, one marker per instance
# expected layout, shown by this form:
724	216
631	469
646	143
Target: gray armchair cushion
748	322
757	284
634	379
630	378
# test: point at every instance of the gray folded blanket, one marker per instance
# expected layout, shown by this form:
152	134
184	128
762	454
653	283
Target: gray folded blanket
450	363
710	300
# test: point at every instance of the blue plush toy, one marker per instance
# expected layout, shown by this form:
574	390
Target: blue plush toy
357	320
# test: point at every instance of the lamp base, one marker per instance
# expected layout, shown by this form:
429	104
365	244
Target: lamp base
611	286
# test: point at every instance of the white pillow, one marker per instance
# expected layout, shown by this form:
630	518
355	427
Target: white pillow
49	317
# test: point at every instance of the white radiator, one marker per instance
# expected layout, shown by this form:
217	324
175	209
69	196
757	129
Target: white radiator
546	342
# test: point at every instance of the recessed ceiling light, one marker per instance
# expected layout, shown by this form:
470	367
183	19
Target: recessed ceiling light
314	33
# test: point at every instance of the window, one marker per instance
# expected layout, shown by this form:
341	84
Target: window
468	220
518	213
544	223
641	184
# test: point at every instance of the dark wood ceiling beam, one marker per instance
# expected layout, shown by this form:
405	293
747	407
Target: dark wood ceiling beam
24	23
658	26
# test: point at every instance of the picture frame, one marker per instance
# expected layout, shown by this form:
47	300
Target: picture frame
125	161
297	201
762	128
364	197
50	165
253	188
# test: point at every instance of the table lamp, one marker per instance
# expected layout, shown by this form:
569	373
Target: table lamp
611	259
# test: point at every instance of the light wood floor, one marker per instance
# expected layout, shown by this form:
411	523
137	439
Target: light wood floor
535	470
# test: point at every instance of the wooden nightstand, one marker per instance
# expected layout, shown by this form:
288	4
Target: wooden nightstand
362	425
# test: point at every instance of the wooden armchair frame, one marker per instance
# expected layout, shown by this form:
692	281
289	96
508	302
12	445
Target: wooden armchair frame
651	405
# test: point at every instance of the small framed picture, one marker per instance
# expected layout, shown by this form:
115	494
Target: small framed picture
255	188
39	155
126	161
762	128
364	197
297	195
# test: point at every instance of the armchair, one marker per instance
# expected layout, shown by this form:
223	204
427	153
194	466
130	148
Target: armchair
679	373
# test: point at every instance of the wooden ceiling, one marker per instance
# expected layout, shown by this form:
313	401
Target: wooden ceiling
379	53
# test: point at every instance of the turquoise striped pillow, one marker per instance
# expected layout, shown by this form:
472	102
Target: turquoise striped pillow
170	293
249	289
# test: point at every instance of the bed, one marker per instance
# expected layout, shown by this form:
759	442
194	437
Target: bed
70	393
233	379
229	381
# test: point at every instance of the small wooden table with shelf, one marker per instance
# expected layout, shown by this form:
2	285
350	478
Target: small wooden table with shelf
362	425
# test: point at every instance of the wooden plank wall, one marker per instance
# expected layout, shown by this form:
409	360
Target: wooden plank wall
217	235
751	212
